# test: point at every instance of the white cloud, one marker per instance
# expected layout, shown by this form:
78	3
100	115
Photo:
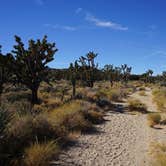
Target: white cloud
62	27
69	28
106	24
156	54
78	10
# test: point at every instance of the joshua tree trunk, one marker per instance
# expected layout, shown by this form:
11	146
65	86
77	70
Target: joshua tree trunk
34	97
74	91
111	83
1	89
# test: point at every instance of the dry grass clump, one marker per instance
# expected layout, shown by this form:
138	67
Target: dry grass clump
160	98
159	152
52	103
112	94
40	154
137	105
142	93
22	131
142	88
92	113
70	116
154	119
5	117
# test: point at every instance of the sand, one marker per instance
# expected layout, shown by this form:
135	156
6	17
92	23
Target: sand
123	140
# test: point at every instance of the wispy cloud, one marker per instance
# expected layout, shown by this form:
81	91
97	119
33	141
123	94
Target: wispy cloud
78	10
156	54
105	24
39	2
61	27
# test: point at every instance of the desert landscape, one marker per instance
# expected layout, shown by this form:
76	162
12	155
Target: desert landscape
70	102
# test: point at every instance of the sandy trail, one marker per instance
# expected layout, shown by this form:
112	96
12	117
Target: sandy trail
122	141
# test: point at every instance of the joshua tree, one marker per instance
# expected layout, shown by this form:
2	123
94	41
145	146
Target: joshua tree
73	72
30	64
126	71
146	77
88	68
5	70
162	78
150	73
109	72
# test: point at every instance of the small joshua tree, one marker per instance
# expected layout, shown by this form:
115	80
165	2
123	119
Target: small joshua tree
73	72
147	77
126	71
110	73
30	64
149	74
5	70
88	68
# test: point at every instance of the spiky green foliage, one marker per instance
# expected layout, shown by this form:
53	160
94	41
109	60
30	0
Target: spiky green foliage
126	71
30	64
111	73
73	70
147	76
88	68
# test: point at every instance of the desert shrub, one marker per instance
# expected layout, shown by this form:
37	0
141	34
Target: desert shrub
39	108
70	116
142	93
159	96
52	103
24	130
115	94
5	117
16	137
40	154
13	97
43	95
22	107
136	105
94	116
92	112
142	88
159	153
154	119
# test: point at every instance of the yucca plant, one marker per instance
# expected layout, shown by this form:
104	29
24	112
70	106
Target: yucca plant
30	65
88	68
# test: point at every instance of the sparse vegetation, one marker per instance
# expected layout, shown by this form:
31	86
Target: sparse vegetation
142	93
136	105
40	154
154	119
40	107
160	98
159	153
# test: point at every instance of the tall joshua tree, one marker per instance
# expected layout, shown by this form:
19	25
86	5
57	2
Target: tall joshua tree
109	73
30	65
147	76
5	70
88	68
126	71
73	72
149	73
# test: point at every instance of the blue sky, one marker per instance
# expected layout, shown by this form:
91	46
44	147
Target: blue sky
120	31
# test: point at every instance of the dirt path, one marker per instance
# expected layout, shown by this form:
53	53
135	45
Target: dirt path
122	141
